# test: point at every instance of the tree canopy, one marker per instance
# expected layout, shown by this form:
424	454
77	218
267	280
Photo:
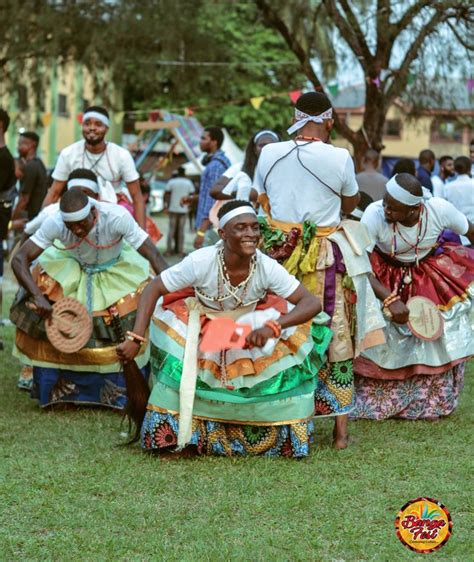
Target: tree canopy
390	42
214	56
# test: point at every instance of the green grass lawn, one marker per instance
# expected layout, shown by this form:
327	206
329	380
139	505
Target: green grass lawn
69	493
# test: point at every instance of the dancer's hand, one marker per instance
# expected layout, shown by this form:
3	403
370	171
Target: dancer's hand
399	312
127	350
258	338
42	306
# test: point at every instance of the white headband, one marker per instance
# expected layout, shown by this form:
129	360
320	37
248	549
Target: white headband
96	115
395	190
80	182
303	118
79	215
261	134
244	210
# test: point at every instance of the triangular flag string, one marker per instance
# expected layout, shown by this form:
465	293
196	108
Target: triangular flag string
257	101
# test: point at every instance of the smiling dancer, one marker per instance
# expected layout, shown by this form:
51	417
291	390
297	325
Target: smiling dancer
239	401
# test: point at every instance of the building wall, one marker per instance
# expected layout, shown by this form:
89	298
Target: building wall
415	135
57	129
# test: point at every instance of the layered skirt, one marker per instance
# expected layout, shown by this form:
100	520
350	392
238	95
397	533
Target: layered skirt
408	377
263	406
93	374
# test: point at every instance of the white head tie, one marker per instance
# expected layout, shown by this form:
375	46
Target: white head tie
395	190
244	210
261	134
78	215
303	118
96	115
83	182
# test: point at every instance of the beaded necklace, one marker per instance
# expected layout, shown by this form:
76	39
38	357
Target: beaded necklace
310	139
93	164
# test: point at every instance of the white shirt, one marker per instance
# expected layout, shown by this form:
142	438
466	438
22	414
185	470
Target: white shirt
32	226
200	270
460	192
114	224
440	215
438	186
112	167
240	183
295	194
179	188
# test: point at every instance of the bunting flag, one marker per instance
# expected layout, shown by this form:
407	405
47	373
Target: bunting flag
153	116
333	89
377	82
470	86
257	101
46	119
79	117
188	112
294	95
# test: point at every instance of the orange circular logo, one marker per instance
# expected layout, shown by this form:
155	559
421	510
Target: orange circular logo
424	525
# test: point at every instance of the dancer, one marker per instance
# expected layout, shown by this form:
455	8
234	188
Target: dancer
304	185
96	253
241	401
409	377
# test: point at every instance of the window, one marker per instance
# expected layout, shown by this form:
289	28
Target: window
445	129
393	128
62	106
22	98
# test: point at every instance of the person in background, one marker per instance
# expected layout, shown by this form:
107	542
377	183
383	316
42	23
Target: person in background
34	180
7	184
111	163
216	163
236	182
426	161
446	174
471	154
404	166
371	181
177	189
460	192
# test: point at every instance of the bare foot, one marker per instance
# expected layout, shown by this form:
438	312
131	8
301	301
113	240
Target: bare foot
341	442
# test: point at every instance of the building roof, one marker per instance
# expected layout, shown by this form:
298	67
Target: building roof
451	96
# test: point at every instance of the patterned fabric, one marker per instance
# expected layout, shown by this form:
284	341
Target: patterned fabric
55	386
422	396
442	277
159	431
335	392
212	172
25	379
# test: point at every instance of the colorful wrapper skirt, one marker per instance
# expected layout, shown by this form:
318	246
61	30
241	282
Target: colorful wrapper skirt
93	374
408	377
318	264
266	405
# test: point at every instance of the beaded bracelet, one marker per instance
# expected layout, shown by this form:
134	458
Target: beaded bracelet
131	336
275	327
390	300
